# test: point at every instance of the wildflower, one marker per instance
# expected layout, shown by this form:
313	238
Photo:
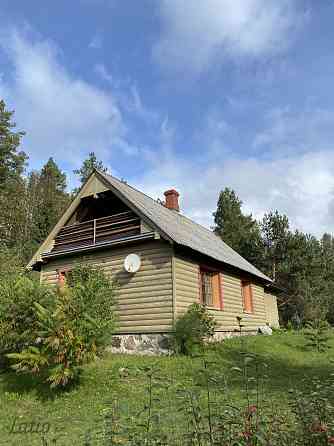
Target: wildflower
331	440
318	427
246	434
252	408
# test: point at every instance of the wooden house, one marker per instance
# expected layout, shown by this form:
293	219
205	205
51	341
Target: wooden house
162	260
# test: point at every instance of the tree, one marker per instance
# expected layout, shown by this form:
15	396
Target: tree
327	261
12	162
275	235
47	190
87	168
241	232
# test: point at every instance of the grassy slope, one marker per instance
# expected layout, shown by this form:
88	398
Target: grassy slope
74	412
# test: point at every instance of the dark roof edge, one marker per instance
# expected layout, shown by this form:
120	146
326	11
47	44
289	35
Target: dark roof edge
127	240
275	288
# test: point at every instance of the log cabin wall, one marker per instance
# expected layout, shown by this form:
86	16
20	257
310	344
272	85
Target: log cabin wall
186	273
271	310
144	299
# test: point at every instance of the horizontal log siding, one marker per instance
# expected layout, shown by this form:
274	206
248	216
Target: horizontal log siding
187	292
271	310
145	299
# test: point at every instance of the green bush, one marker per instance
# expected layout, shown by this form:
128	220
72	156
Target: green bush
18	322
73	331
317	335
192	329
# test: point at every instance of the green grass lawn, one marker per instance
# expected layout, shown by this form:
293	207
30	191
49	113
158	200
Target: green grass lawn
122	380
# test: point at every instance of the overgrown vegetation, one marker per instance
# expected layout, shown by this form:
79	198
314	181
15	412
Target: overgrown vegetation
18	321
191	330
51	332
268	391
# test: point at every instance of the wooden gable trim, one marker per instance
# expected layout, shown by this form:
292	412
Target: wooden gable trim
48	242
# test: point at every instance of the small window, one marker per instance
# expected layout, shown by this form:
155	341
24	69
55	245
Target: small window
247	296
210	287
207	291
63	277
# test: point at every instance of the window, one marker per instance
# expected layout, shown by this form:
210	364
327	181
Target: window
247	296
63	277
210	287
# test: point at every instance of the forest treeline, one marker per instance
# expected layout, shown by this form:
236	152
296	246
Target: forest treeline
31	202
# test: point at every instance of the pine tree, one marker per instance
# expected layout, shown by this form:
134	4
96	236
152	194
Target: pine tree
87	168
275	235
49	190
12	164
241	232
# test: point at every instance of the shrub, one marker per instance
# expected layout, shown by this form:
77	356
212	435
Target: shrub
317	335
192	329
73	331
18	321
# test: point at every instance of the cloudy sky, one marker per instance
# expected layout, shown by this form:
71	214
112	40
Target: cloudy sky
191	94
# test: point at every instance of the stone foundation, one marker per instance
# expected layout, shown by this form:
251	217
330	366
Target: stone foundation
158	343
145	344
222	335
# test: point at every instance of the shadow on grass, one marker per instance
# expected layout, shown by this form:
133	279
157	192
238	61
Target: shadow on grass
24	384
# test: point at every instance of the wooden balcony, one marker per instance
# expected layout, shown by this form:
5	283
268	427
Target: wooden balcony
98	231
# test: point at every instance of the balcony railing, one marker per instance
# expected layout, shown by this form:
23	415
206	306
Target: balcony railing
100	230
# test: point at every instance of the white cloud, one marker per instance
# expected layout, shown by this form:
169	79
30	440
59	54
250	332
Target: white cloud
60	113
298	181
298	131
300	186
197	33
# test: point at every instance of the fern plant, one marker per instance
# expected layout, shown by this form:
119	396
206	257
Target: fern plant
73	331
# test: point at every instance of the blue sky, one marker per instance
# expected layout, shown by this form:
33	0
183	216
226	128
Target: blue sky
191	94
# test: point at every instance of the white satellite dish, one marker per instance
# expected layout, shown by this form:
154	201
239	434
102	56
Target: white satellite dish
132	263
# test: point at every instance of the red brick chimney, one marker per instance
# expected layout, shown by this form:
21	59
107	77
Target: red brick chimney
172	199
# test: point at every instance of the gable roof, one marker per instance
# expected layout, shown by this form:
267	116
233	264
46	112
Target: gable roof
171	224
179	228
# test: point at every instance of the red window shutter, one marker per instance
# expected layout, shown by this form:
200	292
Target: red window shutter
221	283
247	296
200	289
216	290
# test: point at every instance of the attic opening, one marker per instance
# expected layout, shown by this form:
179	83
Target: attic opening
98	206
99	218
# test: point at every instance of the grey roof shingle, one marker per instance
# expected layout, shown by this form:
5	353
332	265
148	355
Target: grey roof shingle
181	229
